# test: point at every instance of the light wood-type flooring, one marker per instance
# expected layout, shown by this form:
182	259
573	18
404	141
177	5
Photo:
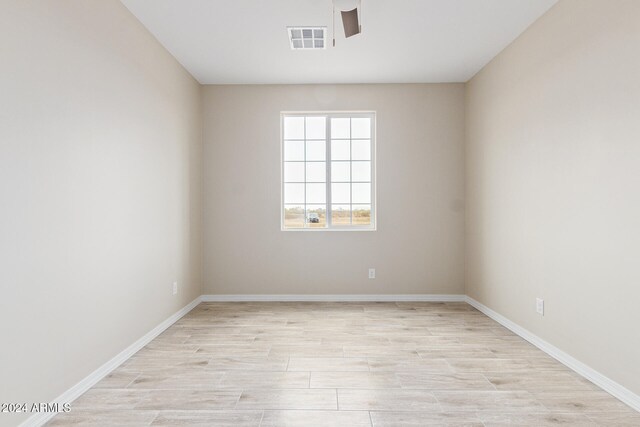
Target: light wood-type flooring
343	364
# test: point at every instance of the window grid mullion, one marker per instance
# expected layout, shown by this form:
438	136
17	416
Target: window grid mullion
328	201
304	217
350	174
341	182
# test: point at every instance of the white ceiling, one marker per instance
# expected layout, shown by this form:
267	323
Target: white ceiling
402	41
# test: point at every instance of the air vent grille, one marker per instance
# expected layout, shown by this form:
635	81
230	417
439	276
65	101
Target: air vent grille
307	37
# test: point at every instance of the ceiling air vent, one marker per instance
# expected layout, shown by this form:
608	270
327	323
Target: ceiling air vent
307	37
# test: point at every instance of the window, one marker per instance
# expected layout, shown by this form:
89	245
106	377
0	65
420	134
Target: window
328	170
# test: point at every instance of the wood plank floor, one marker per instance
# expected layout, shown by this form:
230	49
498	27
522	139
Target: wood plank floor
343	364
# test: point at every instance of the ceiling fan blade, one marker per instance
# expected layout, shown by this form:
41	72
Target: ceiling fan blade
350	22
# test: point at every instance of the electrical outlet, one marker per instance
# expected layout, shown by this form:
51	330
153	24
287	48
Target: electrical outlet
175	288
540	306
372	273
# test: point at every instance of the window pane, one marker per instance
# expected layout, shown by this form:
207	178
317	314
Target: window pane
361	149
340	128
361	193
294	150
361	128
340	215
293	193
294	216
316	216
340	193
316	193
340	171
361	171
293	172
316	150
316	172
340	150
308	43
361	215
316	128
306	197
294	128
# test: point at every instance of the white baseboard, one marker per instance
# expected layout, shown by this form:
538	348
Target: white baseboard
92	379
335	298
607	384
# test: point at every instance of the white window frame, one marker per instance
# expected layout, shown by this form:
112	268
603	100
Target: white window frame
329	115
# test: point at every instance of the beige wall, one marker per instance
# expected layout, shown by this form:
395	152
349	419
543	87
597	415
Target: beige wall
100	191
418	247
553	183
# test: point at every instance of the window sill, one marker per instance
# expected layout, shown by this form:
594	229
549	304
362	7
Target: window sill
329	229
